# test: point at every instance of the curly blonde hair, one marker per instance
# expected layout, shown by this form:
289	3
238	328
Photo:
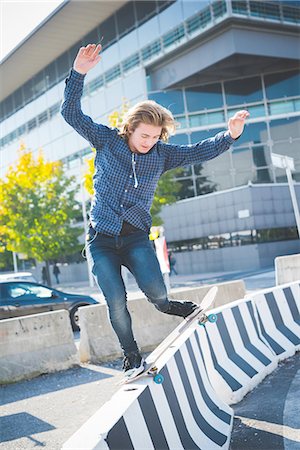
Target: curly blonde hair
151	113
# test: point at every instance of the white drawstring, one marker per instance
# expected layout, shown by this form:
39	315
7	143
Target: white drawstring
134	173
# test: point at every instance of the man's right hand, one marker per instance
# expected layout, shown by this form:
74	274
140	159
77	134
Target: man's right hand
87	58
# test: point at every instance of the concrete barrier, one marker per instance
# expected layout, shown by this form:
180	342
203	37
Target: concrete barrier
287	269
182	413
99	343
236	358
278	311
204	370
36	344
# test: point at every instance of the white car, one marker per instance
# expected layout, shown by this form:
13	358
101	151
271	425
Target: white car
16	276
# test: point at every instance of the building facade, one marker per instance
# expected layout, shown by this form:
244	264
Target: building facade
204	60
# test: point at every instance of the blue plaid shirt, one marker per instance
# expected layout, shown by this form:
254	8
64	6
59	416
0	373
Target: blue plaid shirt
125	182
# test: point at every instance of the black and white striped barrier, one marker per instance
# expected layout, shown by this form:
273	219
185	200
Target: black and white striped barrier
235	356
206	370
278	316
182	413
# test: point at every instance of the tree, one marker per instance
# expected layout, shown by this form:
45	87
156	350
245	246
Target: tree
37	207
167	188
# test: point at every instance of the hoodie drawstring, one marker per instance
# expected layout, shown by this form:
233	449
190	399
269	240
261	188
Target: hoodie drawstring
133	168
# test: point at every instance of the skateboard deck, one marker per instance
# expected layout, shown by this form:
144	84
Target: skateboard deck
199	315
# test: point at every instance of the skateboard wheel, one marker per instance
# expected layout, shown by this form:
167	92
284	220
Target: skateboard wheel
212	318
202	324
158	379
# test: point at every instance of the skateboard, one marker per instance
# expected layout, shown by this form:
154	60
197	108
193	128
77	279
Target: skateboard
150	368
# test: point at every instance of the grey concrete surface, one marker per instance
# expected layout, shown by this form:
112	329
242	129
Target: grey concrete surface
268	418
47	410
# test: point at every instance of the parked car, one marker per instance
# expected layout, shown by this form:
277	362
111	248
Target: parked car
22	298
11	276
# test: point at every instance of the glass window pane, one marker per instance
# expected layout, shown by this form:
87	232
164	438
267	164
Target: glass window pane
183	123
108	31
205	186
172	100
243	91
145	10
179	139
50	74
285	129
186	189
198	120
63	65
242	160
18	98
263	176
125	18
199	136
255	111
204	97
282	107
286	84
261	155
254	133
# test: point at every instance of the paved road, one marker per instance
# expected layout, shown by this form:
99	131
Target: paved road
268	418
46	411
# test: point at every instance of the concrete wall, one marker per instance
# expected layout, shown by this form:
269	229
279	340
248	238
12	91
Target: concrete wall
36	344
287	269
98	341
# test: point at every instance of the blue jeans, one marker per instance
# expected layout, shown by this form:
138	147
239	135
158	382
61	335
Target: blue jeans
107	254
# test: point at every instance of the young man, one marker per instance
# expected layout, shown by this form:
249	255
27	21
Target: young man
128	165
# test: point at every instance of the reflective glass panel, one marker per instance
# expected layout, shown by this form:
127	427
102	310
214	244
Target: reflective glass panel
205	186
198	120
284	129
125	18
243	91
172	100
263	176
180	139
253	133
286	84
255	111
186	189
204	97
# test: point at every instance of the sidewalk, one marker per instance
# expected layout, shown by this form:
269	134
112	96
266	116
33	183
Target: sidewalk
254	280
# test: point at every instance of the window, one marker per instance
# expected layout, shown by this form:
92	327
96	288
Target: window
239	92
145	10
26	290
198	120
125	18
204	97
279	85
254	133
172	100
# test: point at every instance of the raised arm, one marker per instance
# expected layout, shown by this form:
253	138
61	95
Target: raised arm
183	155
87	58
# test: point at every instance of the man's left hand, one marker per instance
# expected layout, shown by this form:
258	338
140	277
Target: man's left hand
236	123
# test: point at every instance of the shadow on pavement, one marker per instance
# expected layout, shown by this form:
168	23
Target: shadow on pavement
16	426
50	383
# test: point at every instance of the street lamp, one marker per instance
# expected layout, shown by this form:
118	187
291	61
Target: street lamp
85	224
287	163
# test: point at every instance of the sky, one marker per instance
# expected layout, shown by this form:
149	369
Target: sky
18	18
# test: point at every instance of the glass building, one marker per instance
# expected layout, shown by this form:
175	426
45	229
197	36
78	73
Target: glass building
204	60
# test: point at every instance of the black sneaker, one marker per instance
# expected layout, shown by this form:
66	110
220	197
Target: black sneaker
182	309
133	364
